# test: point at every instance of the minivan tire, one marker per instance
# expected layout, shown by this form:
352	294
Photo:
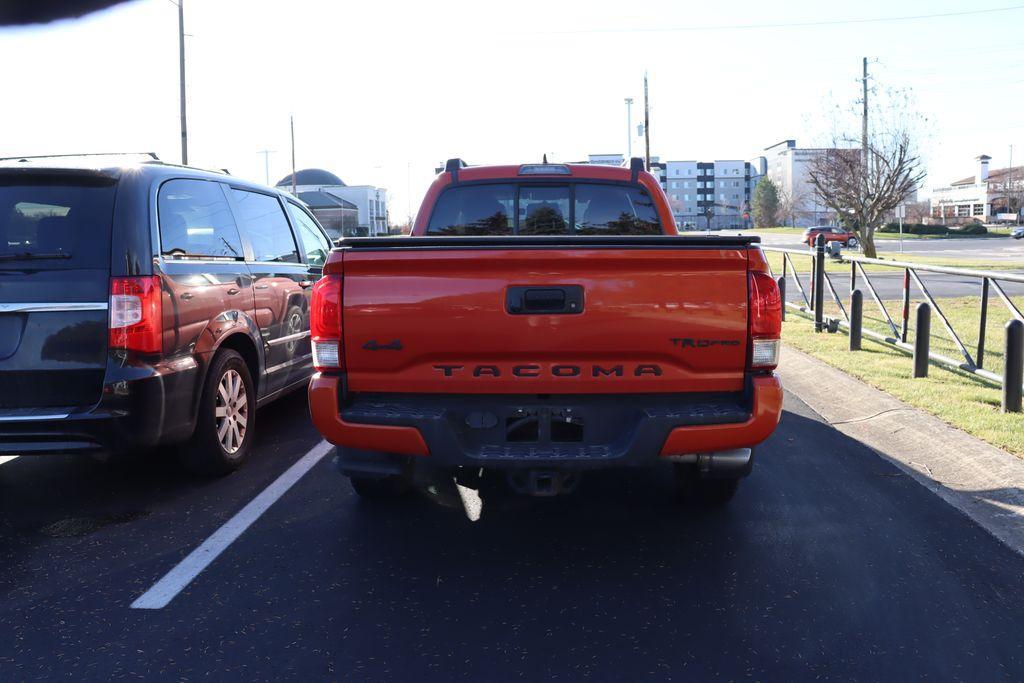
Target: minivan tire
228	401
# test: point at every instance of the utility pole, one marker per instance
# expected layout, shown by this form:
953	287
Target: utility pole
266	161
408	192
1009	187
629	128
864	131
291	120
647	127
181	74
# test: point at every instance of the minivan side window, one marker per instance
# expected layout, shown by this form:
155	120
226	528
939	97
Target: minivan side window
313	241
195	220
264	224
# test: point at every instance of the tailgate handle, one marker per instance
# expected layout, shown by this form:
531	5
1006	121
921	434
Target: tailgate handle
549	300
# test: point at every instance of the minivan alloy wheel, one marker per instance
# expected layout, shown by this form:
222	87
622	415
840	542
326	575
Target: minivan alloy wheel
231	411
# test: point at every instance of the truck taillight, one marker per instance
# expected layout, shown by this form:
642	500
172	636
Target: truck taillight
136	314
765	328
325	323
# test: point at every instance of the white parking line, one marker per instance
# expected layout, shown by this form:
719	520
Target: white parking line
175	581
7	458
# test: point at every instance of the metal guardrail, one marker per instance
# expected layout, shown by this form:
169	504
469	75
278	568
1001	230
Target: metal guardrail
813	297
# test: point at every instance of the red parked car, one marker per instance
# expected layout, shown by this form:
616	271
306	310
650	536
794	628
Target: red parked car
831	233
543	320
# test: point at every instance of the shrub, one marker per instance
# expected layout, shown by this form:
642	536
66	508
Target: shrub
915	229
969	229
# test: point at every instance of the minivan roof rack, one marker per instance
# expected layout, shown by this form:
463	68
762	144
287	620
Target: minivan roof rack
151	155
452	166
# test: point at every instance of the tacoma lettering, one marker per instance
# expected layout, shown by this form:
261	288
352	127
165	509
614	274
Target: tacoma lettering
561	371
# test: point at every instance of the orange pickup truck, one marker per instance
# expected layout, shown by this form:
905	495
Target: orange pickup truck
540	321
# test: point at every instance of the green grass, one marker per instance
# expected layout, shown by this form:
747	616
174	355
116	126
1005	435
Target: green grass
956	397
803	263
992	232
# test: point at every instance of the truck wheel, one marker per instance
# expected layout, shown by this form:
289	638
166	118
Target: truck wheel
226	425
691	487
381	488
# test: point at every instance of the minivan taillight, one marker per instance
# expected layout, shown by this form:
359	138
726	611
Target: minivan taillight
136	311
765	315
325	323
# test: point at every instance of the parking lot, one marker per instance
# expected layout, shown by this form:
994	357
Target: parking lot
830	562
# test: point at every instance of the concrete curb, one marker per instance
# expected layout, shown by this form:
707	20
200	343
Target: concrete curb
982	481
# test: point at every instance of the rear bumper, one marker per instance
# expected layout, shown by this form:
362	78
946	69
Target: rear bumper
569	432
141	406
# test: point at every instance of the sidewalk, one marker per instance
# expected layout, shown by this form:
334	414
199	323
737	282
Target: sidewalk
980	480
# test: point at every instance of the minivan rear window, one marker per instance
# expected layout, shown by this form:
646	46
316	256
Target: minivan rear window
545	209
56	222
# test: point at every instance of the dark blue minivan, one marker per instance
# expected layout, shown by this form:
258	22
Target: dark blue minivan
144	303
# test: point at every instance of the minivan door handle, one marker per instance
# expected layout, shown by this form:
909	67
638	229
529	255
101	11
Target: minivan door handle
544	300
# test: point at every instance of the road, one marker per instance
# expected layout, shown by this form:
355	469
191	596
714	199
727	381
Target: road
829	564
973	248
889	285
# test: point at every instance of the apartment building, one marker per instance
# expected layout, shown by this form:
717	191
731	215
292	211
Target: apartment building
713	194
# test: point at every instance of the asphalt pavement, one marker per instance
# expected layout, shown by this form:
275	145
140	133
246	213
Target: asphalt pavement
830	563
973	248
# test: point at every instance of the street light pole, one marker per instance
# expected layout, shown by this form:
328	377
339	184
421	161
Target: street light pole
266	162
629	127
181	74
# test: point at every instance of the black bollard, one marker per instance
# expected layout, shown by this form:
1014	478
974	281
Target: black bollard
922	338
782	295
819	283
856	318
1013	371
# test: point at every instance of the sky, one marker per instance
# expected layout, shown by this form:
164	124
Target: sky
382	92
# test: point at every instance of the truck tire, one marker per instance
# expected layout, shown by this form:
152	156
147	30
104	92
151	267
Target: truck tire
692	488
380	488
225	427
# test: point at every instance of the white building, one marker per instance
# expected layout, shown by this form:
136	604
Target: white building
370	201
980	196
788	166
712	194
606	159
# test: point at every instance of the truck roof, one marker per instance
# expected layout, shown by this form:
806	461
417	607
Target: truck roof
589	171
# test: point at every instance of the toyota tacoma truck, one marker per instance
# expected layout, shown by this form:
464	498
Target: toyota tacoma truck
540	321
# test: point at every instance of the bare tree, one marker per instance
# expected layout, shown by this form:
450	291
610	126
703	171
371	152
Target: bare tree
862	180
787	209
917	211
862	190
1010	188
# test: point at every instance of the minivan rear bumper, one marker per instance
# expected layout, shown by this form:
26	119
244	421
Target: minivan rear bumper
141	406
495	431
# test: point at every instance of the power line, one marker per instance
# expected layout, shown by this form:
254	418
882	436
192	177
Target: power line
798	24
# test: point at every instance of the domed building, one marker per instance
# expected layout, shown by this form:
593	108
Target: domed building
343	210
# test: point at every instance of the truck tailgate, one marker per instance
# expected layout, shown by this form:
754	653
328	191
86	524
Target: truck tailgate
619	316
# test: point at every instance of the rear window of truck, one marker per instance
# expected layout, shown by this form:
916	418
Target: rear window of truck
56	222
548	209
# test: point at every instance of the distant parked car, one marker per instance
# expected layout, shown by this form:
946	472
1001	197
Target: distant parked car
1017	233
145	304
831	233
